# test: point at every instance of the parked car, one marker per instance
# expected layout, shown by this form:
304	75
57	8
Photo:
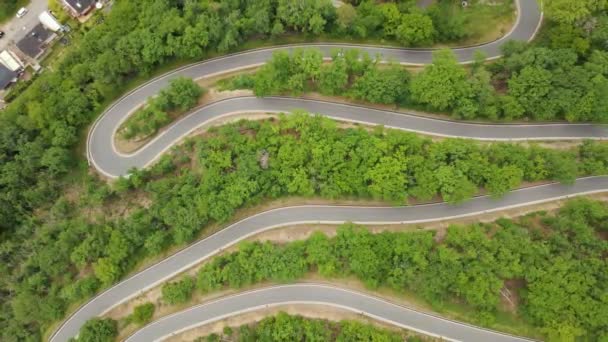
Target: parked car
22	12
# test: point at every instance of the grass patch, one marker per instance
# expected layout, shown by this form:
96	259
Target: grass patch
485	23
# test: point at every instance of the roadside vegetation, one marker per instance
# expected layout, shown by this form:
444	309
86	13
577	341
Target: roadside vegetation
42	220
472	266
284	327
279	328
528	83
509	274
181	95
85	243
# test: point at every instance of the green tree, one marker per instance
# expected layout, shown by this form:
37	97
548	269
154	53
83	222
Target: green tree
415	29
182	93
106	270
178	292
98	330
333	77
442	83
346	15
502	180
531	88
118	247
378	85
387	180
454	186
568	12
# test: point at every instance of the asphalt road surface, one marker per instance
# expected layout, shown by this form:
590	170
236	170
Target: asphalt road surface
317	294
104	157
109	161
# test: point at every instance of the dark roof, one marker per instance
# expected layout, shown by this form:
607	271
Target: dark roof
33	43
80	6
6	76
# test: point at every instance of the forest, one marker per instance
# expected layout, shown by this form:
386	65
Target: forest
471	265
57	248
83	244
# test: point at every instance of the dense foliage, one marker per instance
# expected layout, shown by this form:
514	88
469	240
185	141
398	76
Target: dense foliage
181	95
86	242
284	327
541	84
404	22
561	263
98	330
56	251
41	126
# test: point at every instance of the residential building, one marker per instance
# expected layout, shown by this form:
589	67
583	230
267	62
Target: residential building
79	8
7	77
35	42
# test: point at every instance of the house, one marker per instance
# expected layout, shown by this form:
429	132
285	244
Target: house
78	8
35	42
7	77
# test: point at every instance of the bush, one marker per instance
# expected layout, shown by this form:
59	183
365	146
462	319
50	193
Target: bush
98	330
178	292
142	313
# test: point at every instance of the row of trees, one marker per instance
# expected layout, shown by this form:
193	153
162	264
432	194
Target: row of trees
181	95
91	241
539	83
561	263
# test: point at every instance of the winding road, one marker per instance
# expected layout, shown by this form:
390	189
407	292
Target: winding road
102	153
316	294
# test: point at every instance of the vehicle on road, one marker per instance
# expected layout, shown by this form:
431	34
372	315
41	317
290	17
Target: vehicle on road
22	12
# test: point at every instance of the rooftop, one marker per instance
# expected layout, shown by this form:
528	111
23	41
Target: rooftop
80	5
6	76
34	42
